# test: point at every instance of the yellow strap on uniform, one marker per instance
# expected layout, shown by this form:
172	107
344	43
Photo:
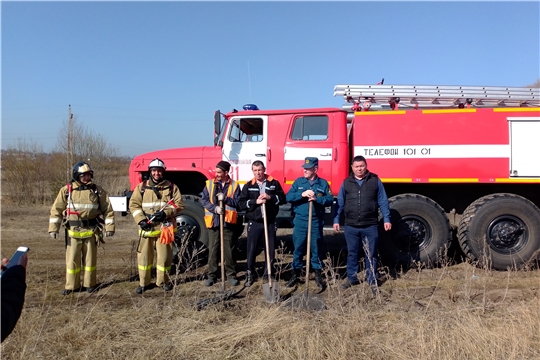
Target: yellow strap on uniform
73	271
145	268
149	234
81	235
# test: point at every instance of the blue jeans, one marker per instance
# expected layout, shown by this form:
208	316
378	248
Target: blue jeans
368	237
300	241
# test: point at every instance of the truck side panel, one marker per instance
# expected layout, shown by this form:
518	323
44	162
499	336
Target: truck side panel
468	145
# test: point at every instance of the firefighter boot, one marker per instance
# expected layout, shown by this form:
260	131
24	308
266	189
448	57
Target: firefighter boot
140	289
168	287
294	278
318	279
67	291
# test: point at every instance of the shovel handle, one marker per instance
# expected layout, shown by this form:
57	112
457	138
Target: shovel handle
308	260
267	246
221	241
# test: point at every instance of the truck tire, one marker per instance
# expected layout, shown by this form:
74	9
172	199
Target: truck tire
501	231
420	232
191	240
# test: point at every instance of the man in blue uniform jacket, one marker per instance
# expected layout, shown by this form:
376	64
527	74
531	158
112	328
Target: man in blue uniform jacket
306	189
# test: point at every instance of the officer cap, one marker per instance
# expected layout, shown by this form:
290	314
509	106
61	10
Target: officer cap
310	162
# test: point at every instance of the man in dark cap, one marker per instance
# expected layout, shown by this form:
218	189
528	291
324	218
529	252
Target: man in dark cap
308	189
220	190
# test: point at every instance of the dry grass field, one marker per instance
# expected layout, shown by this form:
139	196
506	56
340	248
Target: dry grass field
452	312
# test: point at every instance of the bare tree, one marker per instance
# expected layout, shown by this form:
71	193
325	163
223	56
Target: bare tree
88	146
24	169
31	176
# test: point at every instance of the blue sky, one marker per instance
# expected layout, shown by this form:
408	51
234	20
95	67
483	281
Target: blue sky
149	75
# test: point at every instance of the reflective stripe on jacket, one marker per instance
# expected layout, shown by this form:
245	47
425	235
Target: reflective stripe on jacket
230	212
80	234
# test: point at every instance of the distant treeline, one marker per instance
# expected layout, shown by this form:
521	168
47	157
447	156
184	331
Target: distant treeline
32	177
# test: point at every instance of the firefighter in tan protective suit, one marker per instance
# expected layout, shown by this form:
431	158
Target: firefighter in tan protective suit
154	204
84	207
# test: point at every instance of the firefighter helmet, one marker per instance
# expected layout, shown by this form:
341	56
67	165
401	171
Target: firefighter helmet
81	168
156	163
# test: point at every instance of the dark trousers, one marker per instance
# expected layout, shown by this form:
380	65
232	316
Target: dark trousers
214	254
255	240
300	233
369	237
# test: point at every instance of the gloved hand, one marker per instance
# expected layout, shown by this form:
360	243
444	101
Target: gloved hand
220	196
54	235
145	225
218	210
109	233
158	216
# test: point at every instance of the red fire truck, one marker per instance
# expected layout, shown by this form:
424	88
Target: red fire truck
457	162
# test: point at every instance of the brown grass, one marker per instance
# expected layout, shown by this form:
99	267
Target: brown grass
453	312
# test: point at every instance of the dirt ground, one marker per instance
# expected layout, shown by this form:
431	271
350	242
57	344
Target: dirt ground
443	288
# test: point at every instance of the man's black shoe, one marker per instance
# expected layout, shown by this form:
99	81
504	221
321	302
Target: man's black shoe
318	279
347	284
249	279
139	289
294	279
209	282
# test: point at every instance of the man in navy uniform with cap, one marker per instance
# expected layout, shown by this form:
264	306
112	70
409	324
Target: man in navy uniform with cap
306	189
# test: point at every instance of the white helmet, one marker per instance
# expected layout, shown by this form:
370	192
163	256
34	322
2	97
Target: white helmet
156	163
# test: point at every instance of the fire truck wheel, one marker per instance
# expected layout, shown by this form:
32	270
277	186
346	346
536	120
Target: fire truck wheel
501	231
191	240
420	232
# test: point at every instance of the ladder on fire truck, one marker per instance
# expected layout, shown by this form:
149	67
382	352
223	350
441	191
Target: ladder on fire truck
390	97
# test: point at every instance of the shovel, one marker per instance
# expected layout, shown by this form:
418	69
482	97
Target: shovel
308	248
221	224
303	300
270	289
224	295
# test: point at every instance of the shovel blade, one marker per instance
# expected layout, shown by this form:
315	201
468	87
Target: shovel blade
271	294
